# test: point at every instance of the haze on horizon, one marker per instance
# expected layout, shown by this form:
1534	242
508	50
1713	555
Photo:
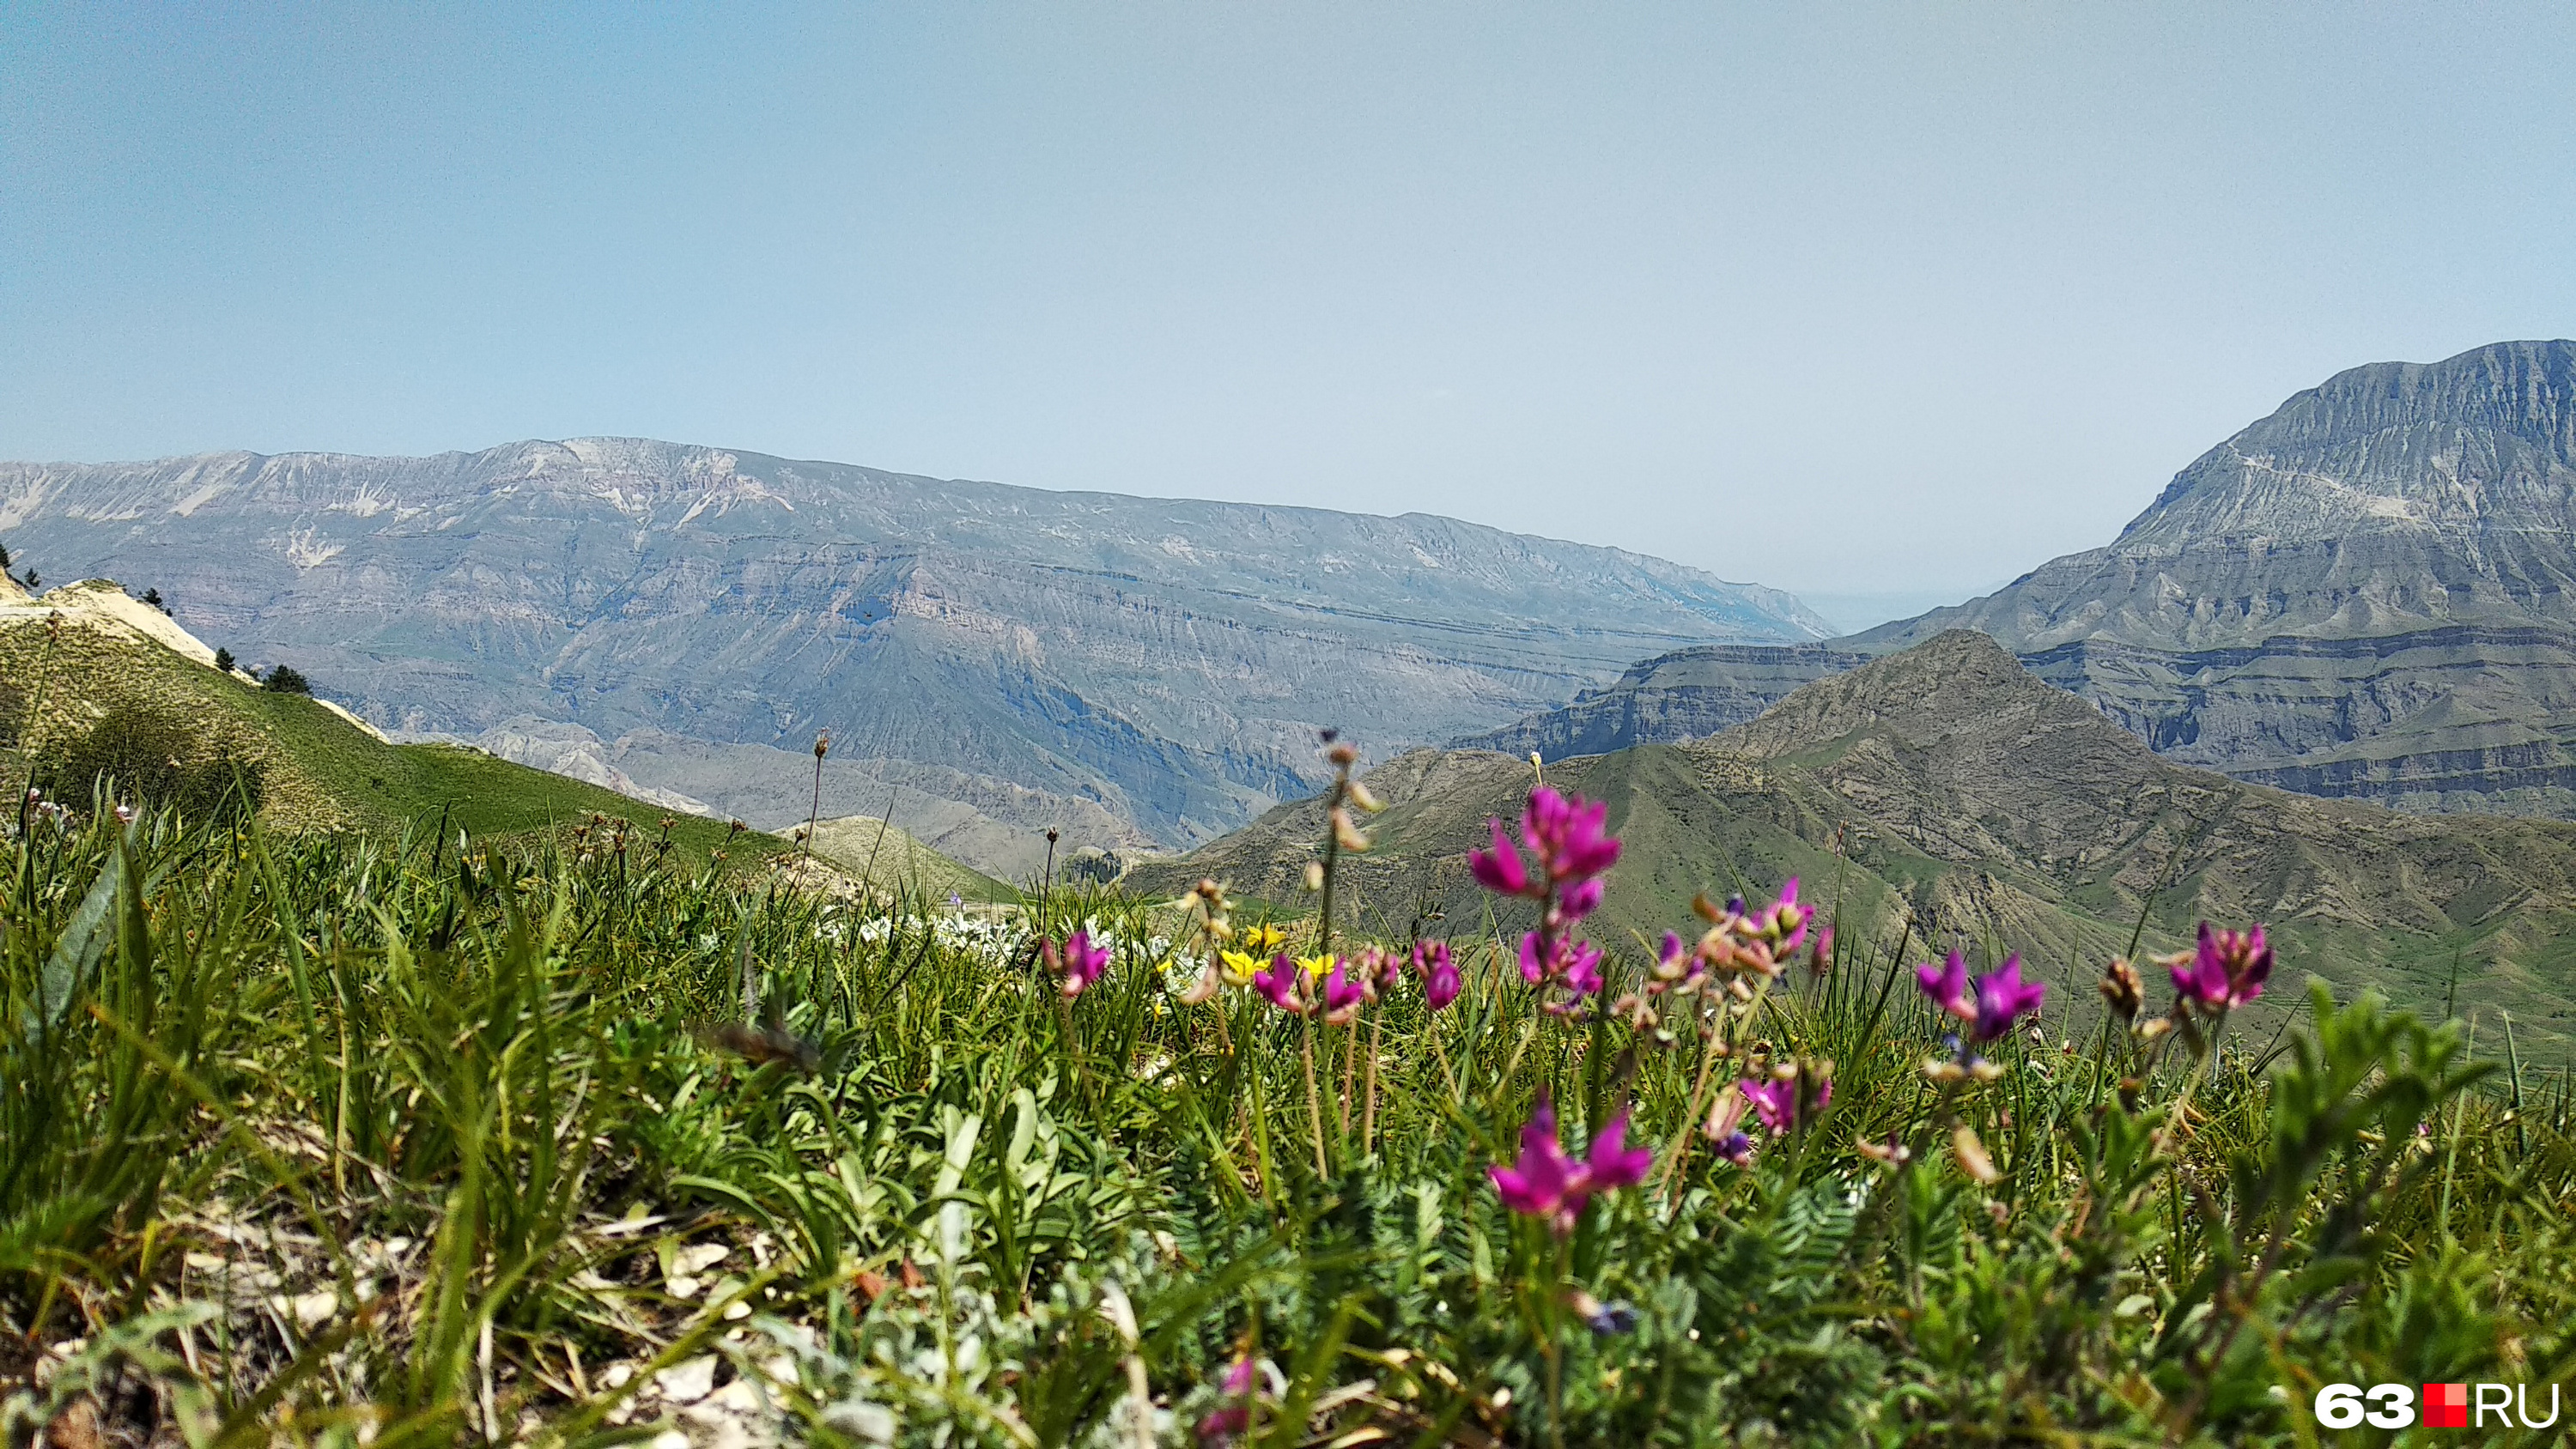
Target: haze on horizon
1883	306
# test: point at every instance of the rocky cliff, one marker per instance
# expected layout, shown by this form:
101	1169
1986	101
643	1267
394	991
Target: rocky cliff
2364	594
1153	668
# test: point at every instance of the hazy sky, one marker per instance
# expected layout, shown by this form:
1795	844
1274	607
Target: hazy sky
1889	302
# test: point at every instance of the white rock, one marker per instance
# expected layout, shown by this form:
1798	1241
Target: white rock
688	1381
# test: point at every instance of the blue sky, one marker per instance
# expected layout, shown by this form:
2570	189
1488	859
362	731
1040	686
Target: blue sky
1881	304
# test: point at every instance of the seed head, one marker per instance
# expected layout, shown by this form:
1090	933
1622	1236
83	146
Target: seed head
822	744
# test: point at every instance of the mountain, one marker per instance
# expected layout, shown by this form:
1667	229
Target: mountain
1948	794
1145	671
2365	594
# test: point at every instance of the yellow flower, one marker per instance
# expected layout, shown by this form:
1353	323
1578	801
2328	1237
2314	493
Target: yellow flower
1239	967
1261	940
1315	966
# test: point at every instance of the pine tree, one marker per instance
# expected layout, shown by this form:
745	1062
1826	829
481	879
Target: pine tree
224	660
284	679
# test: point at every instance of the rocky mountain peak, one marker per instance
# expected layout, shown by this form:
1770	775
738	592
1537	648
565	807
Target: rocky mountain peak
2484	440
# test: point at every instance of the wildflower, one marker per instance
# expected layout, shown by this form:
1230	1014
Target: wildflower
1233	1415
1796	1094
1997	1000
1264	938
2123	991
1546	1183
1565	838
1439	973
1238	967
1784	921
1078	961
1821	960
1280	983
1341	997
1724	1128
124	814
2227	970
2004	998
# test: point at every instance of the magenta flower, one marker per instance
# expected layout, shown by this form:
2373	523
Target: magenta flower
1546	1183
1947	987
1991	1005
1500	870
1440	981
1080	962
2228	969
1230	1417
2004	998
1612	1163
1784	920
1776	1101
1565	839
1342	997
1280	984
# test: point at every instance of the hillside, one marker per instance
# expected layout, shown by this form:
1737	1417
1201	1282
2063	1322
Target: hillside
2362	595
1138	670
890	858
119	685
1991	811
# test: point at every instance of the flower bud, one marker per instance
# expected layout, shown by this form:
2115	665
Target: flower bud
1314	875
1972	1157
2121	987
1343	753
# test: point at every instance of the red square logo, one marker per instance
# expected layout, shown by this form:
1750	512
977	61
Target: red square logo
2446	1406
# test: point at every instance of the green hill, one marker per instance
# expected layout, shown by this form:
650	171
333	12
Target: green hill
1946	794
114	686
891	859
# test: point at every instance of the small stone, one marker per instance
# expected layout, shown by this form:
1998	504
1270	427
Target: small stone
689	1381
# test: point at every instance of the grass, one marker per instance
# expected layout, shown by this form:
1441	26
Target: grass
348	1137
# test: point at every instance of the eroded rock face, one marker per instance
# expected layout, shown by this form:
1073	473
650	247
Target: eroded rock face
1165	661
2367	593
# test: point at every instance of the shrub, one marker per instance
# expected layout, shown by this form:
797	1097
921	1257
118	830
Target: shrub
285	679
224	660
145	757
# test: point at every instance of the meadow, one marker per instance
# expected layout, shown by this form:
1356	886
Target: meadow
557	1137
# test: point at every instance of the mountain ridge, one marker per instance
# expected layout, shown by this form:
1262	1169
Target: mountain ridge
1160	664
1946	794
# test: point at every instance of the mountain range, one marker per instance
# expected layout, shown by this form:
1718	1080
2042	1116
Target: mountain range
2366	594
992	661
1945	796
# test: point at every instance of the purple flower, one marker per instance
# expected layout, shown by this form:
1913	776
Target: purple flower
2004	998
1724	1127
1230	1417
1565	839
2228	969
1612	1163
1080	962
1991	1004
1784	920
1499	870
1546	1183
1440	982
1342	997
1280	984
1777	1101
1947	987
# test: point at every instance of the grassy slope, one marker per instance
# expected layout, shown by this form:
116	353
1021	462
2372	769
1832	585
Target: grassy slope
890	858
321	771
